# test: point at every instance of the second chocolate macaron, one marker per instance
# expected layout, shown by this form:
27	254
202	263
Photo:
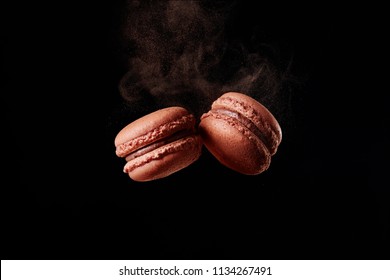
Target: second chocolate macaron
241	133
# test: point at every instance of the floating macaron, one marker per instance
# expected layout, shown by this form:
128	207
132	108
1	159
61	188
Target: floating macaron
241	133
159	144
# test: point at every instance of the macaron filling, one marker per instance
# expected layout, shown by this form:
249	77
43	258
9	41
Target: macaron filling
155	145
185	122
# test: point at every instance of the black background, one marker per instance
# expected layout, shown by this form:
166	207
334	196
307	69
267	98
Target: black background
64	195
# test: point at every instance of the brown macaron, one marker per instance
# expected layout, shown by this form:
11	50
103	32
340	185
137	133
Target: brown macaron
241	133
159	144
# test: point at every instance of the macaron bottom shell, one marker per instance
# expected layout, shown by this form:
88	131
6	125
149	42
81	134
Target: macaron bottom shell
234	145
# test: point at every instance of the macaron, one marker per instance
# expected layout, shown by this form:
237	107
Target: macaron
159	144
241	133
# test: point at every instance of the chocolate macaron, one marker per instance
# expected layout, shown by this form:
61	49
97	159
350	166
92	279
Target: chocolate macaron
241	133
159	144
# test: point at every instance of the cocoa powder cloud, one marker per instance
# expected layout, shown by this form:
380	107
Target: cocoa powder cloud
188	53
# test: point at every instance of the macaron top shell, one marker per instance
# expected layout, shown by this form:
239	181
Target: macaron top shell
151	128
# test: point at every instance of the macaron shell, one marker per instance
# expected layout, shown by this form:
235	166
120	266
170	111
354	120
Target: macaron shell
234	145
255	112
165	160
